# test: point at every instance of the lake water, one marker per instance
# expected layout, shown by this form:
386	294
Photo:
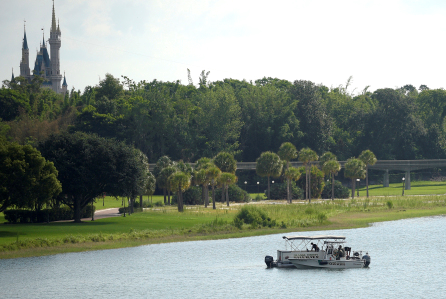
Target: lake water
408	260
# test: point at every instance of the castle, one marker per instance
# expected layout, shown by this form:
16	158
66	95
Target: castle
46	66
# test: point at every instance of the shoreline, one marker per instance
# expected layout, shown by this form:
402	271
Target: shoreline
349	220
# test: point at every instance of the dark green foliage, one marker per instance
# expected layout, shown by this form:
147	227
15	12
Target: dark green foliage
191	196
236	194
278	191
340	191
317	182
254	216
89	165
55	214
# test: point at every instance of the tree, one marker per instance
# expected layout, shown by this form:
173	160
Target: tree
228	165
306	156
294	174
354	169
227	179
180	181
368	158
163	180
89	165
331	167
162	163
213	173
151	184
288	152
27	180
201	177
269	164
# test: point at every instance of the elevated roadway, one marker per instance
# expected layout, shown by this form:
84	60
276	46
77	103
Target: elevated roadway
385	165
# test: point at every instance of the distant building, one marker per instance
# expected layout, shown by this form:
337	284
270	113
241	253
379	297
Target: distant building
46	65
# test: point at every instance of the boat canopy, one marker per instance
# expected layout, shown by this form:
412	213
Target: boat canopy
321	237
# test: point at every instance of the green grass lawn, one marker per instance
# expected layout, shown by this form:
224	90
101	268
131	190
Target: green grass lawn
417	188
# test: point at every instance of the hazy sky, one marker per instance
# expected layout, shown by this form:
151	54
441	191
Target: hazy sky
380	43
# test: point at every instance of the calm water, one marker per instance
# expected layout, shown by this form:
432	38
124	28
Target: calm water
408	260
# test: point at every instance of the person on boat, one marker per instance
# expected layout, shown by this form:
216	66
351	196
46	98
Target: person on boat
315	247
341	251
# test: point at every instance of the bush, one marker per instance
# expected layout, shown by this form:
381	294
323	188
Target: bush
191	196
253	216
55	214
278	191
259	197
389	204
340	191
236	194
317	182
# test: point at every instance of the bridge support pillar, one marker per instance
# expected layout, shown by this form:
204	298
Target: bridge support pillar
386	179
407	185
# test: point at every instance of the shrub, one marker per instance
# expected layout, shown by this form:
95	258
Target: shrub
278	191
340	191
253	216
259	197
317	182
55	214
389	204
191	196
236	194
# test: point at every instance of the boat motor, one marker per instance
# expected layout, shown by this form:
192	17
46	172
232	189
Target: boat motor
269	260
366	259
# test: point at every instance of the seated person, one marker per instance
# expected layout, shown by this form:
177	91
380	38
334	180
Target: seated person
341	251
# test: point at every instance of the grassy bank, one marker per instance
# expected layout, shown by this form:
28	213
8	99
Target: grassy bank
165	224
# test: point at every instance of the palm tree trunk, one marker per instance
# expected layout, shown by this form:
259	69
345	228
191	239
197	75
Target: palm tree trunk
206	202
203	196
306	182
140	201
227	196
213	196
168	197
367	179
268	187
332	186
309	186
353	188
164	193
178	199
288	191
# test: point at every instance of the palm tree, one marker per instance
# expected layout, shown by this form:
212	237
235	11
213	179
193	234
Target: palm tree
163	180
331	167
354	169
162	163
201	166
306	156
294	174
287	152
227	179
180	181
368	157
213	174
199	178
269	164
227	164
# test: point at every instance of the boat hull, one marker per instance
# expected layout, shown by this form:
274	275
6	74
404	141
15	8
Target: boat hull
331	264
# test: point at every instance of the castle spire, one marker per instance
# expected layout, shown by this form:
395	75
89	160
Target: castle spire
64	80
43	32
53	21
25	42
12	77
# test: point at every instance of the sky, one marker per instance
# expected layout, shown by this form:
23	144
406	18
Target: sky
380	44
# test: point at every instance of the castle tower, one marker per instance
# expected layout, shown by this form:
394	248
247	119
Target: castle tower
64	85
54	74
24	63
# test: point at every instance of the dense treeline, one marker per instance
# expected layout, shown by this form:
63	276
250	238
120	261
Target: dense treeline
188	122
